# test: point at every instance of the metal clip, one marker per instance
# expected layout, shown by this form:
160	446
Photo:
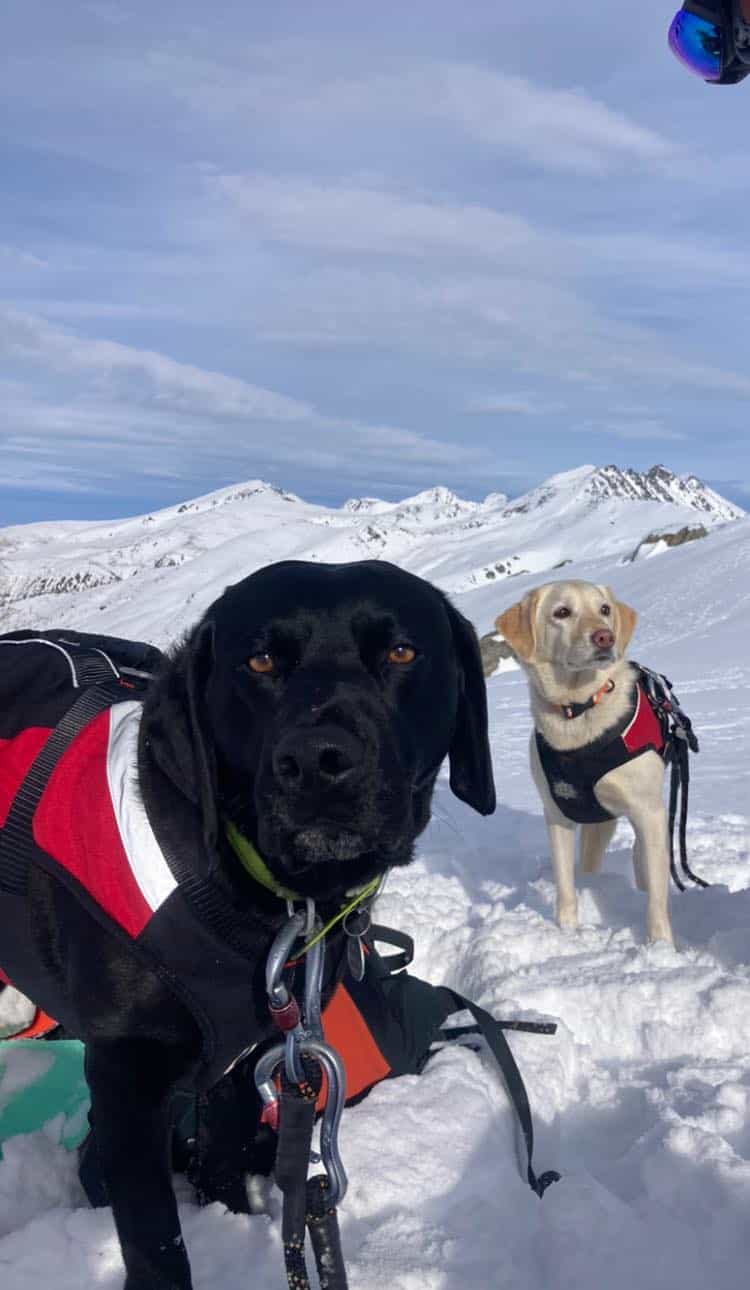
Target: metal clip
310	1025
278	995
333	1069
282	1004
303	1033
329	1130
356	926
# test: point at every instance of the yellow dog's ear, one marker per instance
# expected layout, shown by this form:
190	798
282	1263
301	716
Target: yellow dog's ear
517	626
626	621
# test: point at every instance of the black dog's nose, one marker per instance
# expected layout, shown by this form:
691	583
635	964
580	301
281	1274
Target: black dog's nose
324	757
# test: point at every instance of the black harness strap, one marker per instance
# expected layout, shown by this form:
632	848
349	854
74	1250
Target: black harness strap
305	1200
391	936
16	835
297	1117
679	741
492	1030
431	1006
680	783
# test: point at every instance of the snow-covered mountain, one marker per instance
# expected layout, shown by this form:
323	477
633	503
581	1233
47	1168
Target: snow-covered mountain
642	1097
48	571
659	485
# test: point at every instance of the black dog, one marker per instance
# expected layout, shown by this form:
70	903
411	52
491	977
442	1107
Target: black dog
310	709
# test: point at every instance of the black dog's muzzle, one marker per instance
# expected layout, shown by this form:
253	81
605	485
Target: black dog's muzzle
318	761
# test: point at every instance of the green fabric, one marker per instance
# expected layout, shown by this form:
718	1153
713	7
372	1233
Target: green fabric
39	1081
258	869
254	865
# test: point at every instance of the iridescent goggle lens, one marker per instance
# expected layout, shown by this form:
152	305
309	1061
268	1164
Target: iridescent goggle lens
698	44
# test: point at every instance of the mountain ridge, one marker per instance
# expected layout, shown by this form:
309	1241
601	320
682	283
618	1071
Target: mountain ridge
57	572
599	482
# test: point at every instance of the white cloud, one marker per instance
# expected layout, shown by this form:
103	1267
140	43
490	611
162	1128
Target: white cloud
23	336
345	217
342	217
16	257
139	410
532	328
681	259
108	11
511	405
649	428
47	307
563	129
530	306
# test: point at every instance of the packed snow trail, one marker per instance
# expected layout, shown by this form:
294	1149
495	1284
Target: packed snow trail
642	1097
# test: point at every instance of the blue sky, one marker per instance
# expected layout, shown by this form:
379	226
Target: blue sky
362	249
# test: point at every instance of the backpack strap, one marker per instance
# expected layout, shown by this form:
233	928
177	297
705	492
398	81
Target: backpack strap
433	1005
16	835
391	936
492	1031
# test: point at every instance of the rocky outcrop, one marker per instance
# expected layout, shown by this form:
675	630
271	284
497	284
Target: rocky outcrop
677	537
493	651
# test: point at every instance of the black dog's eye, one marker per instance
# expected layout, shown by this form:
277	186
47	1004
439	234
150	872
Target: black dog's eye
401	654
562	612
262	664
605	610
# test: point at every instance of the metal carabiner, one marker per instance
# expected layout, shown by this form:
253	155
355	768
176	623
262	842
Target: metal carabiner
303	1033
282	1004
264	1083
277	958
314	962
311	1026
331	1063
329	1128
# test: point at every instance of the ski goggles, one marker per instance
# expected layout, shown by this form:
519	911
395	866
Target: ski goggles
702	37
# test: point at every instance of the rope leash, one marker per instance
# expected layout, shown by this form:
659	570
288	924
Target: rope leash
307	1204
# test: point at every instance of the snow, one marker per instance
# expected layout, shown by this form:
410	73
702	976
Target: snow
647	550
16	1012
641	1099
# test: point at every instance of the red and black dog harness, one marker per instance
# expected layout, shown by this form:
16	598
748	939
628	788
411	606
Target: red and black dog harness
572	775
112	857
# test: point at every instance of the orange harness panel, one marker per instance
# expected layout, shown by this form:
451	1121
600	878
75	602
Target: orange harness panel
345	1030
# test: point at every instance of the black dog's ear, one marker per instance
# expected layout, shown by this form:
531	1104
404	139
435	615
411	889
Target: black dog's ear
177	735
471	776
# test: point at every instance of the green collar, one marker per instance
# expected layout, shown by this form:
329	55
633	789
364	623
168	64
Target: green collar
257	868
253	864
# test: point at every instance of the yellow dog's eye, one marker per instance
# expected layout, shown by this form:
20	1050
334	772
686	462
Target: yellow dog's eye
402	654
261	663
605	611
562	612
